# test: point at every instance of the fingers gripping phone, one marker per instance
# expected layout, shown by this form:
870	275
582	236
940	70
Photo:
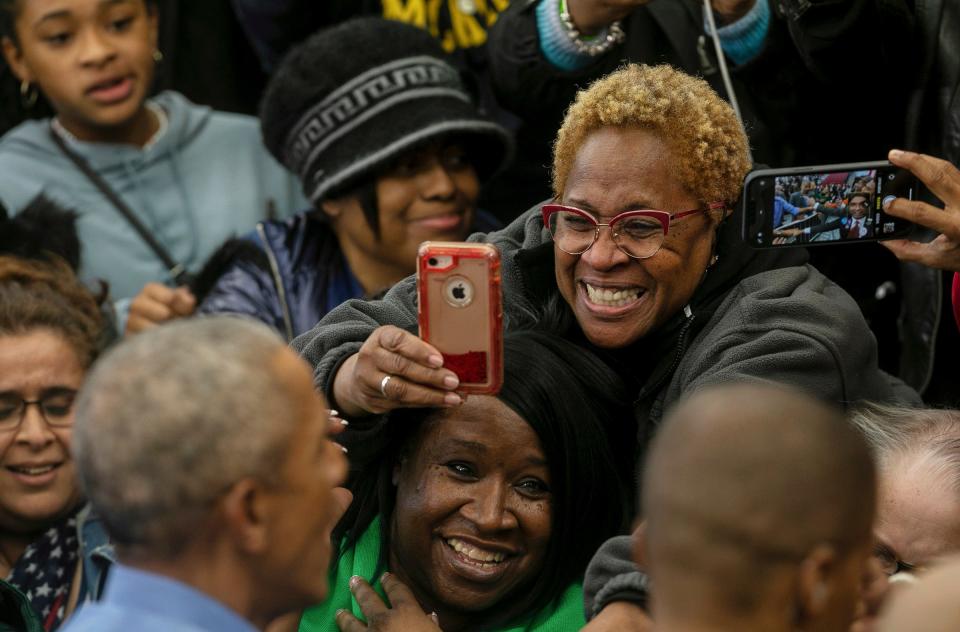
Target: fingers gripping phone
459	310
827	204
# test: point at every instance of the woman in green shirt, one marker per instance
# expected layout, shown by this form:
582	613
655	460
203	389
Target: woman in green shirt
489	512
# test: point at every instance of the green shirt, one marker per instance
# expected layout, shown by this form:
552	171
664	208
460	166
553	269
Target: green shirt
562	615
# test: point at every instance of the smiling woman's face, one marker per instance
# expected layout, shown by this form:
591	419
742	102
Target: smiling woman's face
616	299
38	482
473	513
430	194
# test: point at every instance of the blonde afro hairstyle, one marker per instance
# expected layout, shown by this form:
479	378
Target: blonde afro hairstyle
709	147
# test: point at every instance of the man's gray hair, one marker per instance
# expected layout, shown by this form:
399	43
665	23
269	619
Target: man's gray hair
928	434
169	420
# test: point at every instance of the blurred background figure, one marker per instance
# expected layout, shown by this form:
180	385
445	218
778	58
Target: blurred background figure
758	505
51	330
390	152
228	530
918	458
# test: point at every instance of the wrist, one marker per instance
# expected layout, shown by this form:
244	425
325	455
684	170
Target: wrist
730	12
343	400
590	19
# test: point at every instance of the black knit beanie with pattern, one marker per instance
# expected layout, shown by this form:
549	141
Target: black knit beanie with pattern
353	98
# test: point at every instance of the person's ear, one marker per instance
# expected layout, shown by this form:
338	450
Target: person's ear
333	208
815	581
14	57
245	509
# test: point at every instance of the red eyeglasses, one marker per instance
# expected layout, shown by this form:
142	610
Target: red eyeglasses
639	234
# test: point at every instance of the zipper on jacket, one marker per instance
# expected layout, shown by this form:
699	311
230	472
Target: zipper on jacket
678	354
277	282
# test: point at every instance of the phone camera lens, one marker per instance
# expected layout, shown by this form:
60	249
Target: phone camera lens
432	261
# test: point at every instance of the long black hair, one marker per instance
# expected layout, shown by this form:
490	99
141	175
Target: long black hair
579	409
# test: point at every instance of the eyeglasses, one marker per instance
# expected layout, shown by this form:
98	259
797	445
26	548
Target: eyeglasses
55	406
638	234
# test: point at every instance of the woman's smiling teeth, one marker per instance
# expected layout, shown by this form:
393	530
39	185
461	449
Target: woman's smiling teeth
31	471
612	298
472	553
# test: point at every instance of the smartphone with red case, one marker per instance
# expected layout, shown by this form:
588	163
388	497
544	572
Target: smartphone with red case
460	312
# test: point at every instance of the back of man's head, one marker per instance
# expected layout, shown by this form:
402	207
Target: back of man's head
753	494
170	419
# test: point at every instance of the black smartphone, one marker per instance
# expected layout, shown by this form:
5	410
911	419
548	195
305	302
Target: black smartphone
826	204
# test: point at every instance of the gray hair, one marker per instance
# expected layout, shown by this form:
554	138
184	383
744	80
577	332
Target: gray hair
169	420
928	434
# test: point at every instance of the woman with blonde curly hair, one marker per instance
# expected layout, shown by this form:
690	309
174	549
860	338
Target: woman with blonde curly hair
634	258
51	330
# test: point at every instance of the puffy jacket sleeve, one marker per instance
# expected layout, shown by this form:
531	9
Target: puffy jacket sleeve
245	289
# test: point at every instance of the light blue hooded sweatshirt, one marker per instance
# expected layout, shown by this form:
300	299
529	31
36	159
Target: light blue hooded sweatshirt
205	178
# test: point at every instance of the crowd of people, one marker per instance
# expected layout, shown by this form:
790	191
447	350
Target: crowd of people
216	413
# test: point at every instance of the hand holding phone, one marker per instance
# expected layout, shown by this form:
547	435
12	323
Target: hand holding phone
459	310
943	180
393	369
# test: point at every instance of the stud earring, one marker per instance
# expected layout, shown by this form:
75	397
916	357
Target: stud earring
157	56
28	94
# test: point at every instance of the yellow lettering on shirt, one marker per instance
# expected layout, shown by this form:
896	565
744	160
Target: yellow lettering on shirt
409	11
466	29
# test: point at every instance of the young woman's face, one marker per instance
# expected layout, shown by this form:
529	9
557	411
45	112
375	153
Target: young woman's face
93	59
430	194
473	514
38	482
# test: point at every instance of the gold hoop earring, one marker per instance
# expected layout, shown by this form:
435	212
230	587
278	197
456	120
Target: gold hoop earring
157	56
28	94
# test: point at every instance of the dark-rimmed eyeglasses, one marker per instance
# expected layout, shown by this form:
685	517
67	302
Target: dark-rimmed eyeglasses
638	234
55	406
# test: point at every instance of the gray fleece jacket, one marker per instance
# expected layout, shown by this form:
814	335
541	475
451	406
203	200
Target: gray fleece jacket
763	315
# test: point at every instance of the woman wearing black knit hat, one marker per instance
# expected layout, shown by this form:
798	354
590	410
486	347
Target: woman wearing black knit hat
390	151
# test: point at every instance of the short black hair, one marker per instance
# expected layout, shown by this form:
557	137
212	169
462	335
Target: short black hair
579	409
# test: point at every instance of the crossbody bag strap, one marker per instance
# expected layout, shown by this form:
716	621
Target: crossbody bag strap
175	269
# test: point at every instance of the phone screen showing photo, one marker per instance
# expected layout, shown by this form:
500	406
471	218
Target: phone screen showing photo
819	207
